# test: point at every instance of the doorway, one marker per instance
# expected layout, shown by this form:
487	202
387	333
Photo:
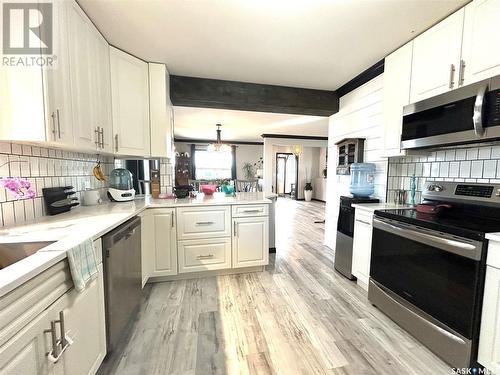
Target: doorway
287	174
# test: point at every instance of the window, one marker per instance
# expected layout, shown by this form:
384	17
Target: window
213	165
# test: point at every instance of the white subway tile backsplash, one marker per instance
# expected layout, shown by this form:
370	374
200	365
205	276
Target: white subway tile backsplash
465	169
454	169
489	168
474	164
477	169
450	155
485	153
472	153
45	168
460	154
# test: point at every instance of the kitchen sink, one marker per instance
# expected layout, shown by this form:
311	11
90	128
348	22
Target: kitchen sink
11	253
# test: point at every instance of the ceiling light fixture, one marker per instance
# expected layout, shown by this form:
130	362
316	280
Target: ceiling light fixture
298	150
218	146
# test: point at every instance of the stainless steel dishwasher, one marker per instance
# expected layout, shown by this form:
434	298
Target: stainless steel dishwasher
122	278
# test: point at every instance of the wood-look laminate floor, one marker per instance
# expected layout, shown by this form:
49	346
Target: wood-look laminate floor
297	317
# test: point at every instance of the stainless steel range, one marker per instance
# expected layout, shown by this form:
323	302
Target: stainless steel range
427	271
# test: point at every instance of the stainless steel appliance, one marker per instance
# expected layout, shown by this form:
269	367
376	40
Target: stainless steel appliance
345	231
427	270
122	278
470	114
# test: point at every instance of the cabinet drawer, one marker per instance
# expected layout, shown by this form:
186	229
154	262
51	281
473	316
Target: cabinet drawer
363	217
203	222
250	210
204	255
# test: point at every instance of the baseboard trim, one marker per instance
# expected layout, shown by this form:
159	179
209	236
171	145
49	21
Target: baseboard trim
198	275
319	200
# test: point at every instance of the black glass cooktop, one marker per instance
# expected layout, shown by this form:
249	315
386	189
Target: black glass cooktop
466	223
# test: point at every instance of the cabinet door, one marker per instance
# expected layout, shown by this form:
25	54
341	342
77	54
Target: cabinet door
489	340
480	52
396	94
81	61
361	249
101	87
250	241
160	111
436	58
57	87
26	352
130	103
164	242
84	324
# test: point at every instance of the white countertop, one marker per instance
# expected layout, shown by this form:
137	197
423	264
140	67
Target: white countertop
371	207
71	228
493	236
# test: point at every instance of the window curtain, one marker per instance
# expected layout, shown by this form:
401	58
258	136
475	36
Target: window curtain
193	164
233	165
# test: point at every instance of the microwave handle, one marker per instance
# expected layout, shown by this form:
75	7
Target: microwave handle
479	104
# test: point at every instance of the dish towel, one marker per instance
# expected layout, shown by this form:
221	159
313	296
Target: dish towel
82	264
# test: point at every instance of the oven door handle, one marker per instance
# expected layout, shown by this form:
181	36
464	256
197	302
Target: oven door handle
460	246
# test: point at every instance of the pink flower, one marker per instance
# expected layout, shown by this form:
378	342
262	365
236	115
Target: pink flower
19	187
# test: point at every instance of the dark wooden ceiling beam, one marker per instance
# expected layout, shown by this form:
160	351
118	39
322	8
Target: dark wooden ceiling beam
213	93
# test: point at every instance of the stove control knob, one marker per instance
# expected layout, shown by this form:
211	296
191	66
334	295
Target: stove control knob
498	193
436	188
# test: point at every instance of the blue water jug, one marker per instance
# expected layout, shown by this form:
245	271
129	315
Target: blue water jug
362	179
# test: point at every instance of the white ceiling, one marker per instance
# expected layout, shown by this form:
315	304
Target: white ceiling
199	123
302	43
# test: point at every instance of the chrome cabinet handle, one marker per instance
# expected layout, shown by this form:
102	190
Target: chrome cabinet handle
205	223
461	73
234	229
251	211
172	219
64	342
116	142
53	339
54	131
452	76
101	134
96	133
209	256
364	222
58	123
477	118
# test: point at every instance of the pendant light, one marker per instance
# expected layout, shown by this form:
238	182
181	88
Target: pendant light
218	146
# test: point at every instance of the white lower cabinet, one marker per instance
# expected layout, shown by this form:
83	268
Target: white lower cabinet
204	255
250	241
362	247
489	339
84	324
159	243
27	352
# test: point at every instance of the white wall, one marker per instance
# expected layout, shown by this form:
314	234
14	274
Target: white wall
309	159
247	153
360	116
244	153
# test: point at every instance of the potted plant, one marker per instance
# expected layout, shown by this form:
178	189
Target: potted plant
248	171
258	166
308	189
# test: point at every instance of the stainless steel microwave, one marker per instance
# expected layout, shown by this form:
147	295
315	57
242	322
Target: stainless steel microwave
470	114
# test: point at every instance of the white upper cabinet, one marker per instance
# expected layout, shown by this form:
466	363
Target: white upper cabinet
160	110
130	103
436	58
480	52
57	87
80	53
102	115
396	94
